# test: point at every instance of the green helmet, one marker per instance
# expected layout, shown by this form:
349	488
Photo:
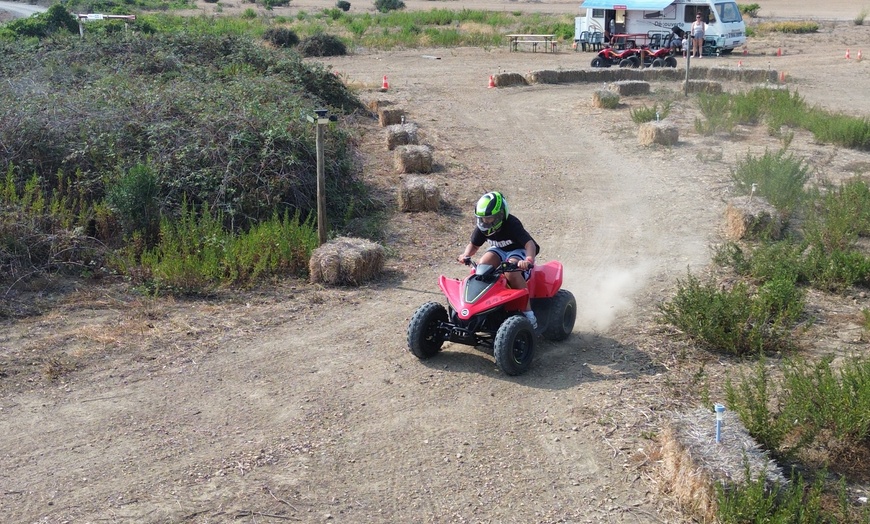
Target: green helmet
491	212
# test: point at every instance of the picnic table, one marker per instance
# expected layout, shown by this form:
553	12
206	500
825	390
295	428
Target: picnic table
548	42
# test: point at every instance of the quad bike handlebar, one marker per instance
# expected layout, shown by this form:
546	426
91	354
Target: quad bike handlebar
504	267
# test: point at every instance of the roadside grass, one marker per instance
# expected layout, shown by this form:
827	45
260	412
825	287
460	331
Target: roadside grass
648	114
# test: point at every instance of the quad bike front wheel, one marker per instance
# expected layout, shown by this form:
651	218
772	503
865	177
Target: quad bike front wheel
424	340
599	62
563	314
514	345
670	61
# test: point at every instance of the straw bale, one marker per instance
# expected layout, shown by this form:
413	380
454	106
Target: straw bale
543	77
508	79
661	132
419	193
388	117
703	86
692	461
752	218
401	135
605	98
346	260
630	87
413	159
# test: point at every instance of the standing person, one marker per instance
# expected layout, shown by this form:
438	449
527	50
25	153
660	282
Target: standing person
508	241
697	32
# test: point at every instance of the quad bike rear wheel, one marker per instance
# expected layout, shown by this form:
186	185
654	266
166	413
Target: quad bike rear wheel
670	61
514	345
626	62
658	62
423	338
563	314
599	62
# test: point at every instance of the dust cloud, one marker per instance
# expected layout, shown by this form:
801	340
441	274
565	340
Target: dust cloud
603	295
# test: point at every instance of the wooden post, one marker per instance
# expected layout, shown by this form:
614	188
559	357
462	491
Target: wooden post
688	60
321	184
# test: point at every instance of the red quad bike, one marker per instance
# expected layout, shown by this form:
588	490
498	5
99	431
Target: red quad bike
609	57
484	312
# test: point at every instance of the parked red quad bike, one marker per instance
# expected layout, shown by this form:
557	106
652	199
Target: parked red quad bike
609	57
483	311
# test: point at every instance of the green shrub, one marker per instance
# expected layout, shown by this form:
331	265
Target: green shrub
249	13
385	6
344	5
196	254
55	19
648	114
794	503
134	197
859	18
735	321
281	37
779	177
750	10
716	110
322	44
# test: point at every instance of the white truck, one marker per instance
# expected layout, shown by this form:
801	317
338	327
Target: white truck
725	29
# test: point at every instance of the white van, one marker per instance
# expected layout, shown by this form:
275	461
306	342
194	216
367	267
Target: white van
725	28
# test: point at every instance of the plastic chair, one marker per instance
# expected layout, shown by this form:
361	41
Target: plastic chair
655	41
583	41
596	41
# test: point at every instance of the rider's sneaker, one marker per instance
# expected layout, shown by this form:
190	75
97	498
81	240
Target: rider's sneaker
531	316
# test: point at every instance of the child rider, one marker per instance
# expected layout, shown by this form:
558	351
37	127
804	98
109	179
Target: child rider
508	240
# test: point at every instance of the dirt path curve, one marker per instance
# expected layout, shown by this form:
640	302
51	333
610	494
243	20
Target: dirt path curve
309	408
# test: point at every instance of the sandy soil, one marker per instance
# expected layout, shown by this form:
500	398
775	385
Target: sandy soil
301	403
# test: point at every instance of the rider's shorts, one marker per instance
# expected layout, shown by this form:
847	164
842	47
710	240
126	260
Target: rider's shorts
516	253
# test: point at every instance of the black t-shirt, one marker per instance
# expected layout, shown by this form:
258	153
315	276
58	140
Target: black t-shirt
511	235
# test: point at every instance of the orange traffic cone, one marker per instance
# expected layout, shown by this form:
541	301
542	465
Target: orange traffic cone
740	63
745	51
778	51
847	54
782	77
491	82
860	57
385	85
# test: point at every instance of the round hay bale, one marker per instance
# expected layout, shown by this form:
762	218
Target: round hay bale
752	218
388	117
692	461
605	98
661	132
509	79
417	194
346	260
413	159
630	87
401	135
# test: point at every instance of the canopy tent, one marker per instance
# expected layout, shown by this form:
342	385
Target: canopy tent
633	5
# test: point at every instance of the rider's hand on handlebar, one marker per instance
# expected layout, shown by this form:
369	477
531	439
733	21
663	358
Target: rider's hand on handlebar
464	259
528	263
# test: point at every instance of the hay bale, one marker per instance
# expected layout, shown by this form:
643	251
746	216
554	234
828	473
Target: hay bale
401	135
752	219
661	132
413	159
509	79
346	260
388	117
605	98
629	87
419	193
692	461
703	86
543	77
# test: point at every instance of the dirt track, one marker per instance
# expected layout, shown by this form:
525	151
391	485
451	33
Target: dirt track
302	402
